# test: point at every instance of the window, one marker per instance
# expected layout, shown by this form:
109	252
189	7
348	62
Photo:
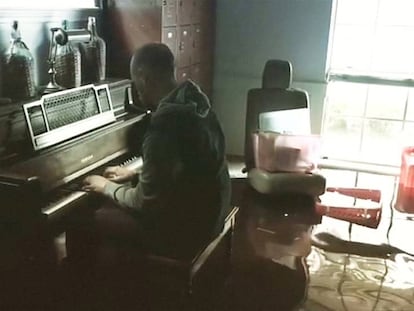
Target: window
373	37
369	110
47	4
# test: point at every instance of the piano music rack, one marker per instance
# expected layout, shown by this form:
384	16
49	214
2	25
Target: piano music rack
63	115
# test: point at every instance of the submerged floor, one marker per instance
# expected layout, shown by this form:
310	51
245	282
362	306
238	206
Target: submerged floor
285	257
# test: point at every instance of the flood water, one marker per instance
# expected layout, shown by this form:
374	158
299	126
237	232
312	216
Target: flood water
286	258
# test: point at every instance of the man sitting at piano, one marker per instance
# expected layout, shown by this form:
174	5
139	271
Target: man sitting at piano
183	191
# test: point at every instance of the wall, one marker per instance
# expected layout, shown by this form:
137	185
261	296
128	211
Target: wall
250	32
35	30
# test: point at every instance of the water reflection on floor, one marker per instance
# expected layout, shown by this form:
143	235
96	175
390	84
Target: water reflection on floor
347	273
347	266
351	282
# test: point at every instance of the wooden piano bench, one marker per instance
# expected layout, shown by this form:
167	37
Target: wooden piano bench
191	282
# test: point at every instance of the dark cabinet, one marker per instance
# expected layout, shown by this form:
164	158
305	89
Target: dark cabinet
193	32
206	42
187	27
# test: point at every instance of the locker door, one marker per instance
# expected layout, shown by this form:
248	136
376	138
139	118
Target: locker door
169	37
183	74
184	46
196	11
196	38
184	11
196	74
169	13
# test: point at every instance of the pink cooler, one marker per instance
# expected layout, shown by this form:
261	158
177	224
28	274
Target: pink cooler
274	152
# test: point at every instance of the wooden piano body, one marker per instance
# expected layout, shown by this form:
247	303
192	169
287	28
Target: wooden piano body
40	189
41	198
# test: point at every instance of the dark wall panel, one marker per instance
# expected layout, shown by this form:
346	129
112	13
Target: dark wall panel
129	25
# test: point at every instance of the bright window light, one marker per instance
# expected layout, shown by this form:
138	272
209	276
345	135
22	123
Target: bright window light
368	116
373	37
47	4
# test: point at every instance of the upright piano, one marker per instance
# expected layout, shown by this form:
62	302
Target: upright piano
47	147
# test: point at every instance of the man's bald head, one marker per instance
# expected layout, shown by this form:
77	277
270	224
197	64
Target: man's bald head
152	71
156	58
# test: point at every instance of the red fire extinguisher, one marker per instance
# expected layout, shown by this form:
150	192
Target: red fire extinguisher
405	196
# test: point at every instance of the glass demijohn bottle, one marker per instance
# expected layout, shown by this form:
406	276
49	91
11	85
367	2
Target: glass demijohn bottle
93	56
68	64
19	83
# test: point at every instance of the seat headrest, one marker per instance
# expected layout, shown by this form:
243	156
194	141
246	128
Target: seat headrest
277	74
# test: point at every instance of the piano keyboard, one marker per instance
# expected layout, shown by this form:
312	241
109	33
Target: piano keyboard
134	163
72	193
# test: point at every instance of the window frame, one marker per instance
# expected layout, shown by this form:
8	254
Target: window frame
363	78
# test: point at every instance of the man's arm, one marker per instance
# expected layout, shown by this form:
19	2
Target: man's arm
125	195
147	187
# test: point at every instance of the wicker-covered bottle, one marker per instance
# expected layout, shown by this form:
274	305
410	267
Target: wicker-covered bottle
68	64
93	56
19	75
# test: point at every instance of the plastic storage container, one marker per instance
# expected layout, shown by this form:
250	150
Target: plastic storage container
405	196
275	152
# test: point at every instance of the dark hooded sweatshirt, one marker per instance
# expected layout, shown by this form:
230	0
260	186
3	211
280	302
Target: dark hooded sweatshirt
183	193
